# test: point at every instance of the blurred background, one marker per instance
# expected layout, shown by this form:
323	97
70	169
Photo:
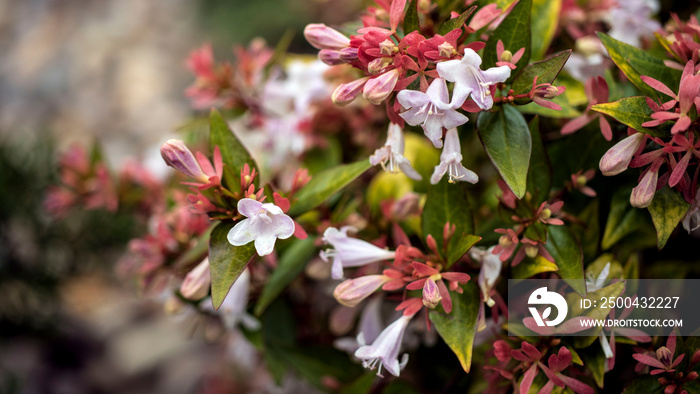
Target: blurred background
112	72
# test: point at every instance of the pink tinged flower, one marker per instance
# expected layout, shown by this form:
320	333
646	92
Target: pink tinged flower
663	362
321	36
691	221
617	158
431	294
345	93
392	152
197	282
350	252
352	291
470	80
644	192
507	58
502	350
484	16
451	162
264	224
380	87
687	94
542	93
385	349
489	273
431	110
178	156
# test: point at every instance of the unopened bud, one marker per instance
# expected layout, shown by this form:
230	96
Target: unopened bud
387	47
377	65
531	251
176	155
348	54
323	37
431	294
548	92
618	158
664	355
506	56
644	192
331	57
352	291
347	92
424	6
197	282
379	88
546	213
446	49
581	181
504	241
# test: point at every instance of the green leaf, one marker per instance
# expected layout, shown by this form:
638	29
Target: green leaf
324	185
290	266
410	21
633	112
588	230
544	21
644	64
594	359
363	384
507	141
226	262
195	253
539	175
623	219
647	384
531	267
447	202
233	153
566	251
667	209
459	327
456	23
546	71
459	245
514	31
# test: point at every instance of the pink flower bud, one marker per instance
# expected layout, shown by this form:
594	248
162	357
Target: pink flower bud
196	283
431	294
348	54
347	92
501	349
644	192
377	65
331	57
387	47
379	88
323	37
617	158
352	291
176	155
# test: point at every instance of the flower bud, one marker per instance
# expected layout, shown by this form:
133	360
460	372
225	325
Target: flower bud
644	192
617	158
379	88
330	57
196	283
502	350
352	291
348	54
431	294
664	355
176	155
506	56
321	36
446	49
347	92
377	65
387	47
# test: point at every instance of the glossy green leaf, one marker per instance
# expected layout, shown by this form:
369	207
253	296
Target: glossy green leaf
410	20
322	186
458	328
667	209
545	18
459	245
290	265
646	384
506	138
233	153
546	71
633	112
644	64
514	31
456	23
531	267
539	175
588	230
447	202
567	254
226	262
623	219
595	361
